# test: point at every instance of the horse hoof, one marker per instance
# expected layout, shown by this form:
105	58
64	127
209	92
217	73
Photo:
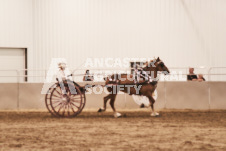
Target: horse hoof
154	114
100	110
142	105
117	115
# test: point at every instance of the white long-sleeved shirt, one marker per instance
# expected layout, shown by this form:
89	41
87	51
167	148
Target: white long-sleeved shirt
64	75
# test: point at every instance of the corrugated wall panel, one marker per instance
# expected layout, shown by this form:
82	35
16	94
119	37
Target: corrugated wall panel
181	32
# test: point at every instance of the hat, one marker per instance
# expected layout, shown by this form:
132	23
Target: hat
61	64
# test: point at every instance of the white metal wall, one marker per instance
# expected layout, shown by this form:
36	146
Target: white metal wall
181	32
16	27
11	60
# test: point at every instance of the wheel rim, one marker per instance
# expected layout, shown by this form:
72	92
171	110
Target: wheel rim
68	105
48	99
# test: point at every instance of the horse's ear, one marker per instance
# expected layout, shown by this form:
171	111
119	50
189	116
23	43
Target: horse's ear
158	59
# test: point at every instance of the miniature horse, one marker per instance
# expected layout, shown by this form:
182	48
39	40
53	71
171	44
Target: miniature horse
143	87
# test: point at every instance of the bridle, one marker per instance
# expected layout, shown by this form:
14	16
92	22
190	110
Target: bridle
161	63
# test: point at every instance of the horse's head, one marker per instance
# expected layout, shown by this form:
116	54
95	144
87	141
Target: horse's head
158	65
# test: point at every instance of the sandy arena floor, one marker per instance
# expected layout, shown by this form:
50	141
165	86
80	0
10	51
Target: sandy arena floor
173	130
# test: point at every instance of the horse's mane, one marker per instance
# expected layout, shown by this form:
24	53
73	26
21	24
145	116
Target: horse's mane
148	64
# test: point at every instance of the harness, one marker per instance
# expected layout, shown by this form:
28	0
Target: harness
137	74
142	74
136	78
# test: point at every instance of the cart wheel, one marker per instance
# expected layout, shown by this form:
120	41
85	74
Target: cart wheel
69	104
48	99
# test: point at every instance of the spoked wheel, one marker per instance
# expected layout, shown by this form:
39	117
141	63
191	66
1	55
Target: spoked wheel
68	102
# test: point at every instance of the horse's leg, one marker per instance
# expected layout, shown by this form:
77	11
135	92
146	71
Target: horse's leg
112	103
152	101
106	98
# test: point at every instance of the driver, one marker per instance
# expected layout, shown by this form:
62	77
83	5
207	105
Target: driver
64	77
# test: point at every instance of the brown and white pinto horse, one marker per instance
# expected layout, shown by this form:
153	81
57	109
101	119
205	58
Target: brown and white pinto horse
145	87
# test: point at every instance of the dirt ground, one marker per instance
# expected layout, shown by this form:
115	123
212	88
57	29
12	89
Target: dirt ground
173	130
